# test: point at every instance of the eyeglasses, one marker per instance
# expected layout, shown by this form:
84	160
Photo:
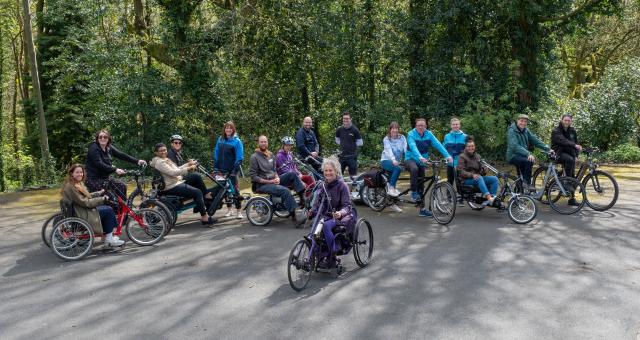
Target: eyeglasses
103	137
176	142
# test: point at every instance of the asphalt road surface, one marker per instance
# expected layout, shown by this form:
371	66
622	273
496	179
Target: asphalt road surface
481	277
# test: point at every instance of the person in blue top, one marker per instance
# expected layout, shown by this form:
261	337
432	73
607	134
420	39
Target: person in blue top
395	145
228	155
419	141
454	143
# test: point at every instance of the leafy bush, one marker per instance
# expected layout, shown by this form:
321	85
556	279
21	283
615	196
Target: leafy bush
625	153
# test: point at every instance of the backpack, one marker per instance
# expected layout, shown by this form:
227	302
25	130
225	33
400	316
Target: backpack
373	179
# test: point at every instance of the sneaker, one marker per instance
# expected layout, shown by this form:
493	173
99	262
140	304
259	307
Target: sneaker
113	242
425	213
572	202
239	215
415	196
228	214
488	202
395	192
391	191
395	208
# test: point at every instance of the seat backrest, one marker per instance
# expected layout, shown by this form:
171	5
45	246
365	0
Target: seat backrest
66	208
158	181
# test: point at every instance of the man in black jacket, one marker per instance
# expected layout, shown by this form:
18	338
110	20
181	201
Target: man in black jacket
564	141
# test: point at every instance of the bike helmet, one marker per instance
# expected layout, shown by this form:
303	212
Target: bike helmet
175	137
286	140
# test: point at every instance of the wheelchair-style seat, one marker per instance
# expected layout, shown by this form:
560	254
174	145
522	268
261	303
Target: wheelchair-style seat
66	208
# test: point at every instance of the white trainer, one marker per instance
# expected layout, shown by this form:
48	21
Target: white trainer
395	208
113	242
229	213
239	215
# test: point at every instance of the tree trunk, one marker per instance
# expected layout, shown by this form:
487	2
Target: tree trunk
417	38
2	187
14	116
44	140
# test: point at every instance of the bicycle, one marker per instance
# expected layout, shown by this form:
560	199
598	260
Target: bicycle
521	208
442	200
565	195
601	188
72	238
311	253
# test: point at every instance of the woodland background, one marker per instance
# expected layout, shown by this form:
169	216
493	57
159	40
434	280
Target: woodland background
146	69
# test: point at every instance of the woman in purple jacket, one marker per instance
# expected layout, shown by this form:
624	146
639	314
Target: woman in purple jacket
336	210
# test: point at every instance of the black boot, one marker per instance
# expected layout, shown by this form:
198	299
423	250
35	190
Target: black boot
301	199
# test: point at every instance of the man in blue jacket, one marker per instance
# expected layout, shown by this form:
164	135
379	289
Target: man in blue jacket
419	140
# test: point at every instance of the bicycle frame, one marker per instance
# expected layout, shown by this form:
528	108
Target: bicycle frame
433	179
551	174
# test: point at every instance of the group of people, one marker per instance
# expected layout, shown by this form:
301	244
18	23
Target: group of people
277	174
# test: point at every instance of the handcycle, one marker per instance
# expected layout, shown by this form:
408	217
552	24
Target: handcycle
600	187
355	183
261	208
520	207
442	200
223	192
565	195
72	238
312	254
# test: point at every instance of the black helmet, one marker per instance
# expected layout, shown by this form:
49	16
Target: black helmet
175	137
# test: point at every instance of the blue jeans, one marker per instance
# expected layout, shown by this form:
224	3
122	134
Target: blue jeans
107	218
483	182
279	191
393	169
291	179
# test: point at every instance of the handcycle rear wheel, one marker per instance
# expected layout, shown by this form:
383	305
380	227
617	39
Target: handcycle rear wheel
562	203
363	242
443	202
375	198
522	209
152	229
47	226
71	239
601	190
259	211
300	265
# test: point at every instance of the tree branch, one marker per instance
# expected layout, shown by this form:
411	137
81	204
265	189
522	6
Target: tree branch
564	18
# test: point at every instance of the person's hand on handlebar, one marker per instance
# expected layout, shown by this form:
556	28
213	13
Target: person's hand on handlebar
530	158
337	215
120	171
423	160
142	162
449	160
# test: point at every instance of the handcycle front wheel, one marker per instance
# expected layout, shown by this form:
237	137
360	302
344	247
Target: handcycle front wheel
443	203
522	209
363	242
71	238
150	230
300	265
259	211
601	190
47	226
566	195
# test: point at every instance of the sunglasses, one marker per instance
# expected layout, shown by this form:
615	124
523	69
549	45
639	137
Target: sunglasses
177	142
103	137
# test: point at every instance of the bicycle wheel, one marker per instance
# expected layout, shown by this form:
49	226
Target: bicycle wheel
47	226
300	265
363	242
71	239
443	202
163	209
538	182
522	209
376	198
569	202
149	230
131	200
259	211
601	190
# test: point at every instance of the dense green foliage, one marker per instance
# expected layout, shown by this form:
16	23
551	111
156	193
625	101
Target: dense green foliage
146	69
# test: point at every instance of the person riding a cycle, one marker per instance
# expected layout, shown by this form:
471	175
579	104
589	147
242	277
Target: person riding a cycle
472	172
175	184
90	206
419	141
519	141
564	141
286	164
393	152
336	211
99	166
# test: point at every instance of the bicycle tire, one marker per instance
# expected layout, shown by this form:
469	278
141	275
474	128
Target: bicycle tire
559	202
593	185
363	243
299	264
522	209
538	183
71	239
162	208
47	227
443	203
376	198
151	232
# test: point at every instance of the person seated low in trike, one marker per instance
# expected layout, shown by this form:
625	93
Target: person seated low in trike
90	206
472	172
336	211
191	187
